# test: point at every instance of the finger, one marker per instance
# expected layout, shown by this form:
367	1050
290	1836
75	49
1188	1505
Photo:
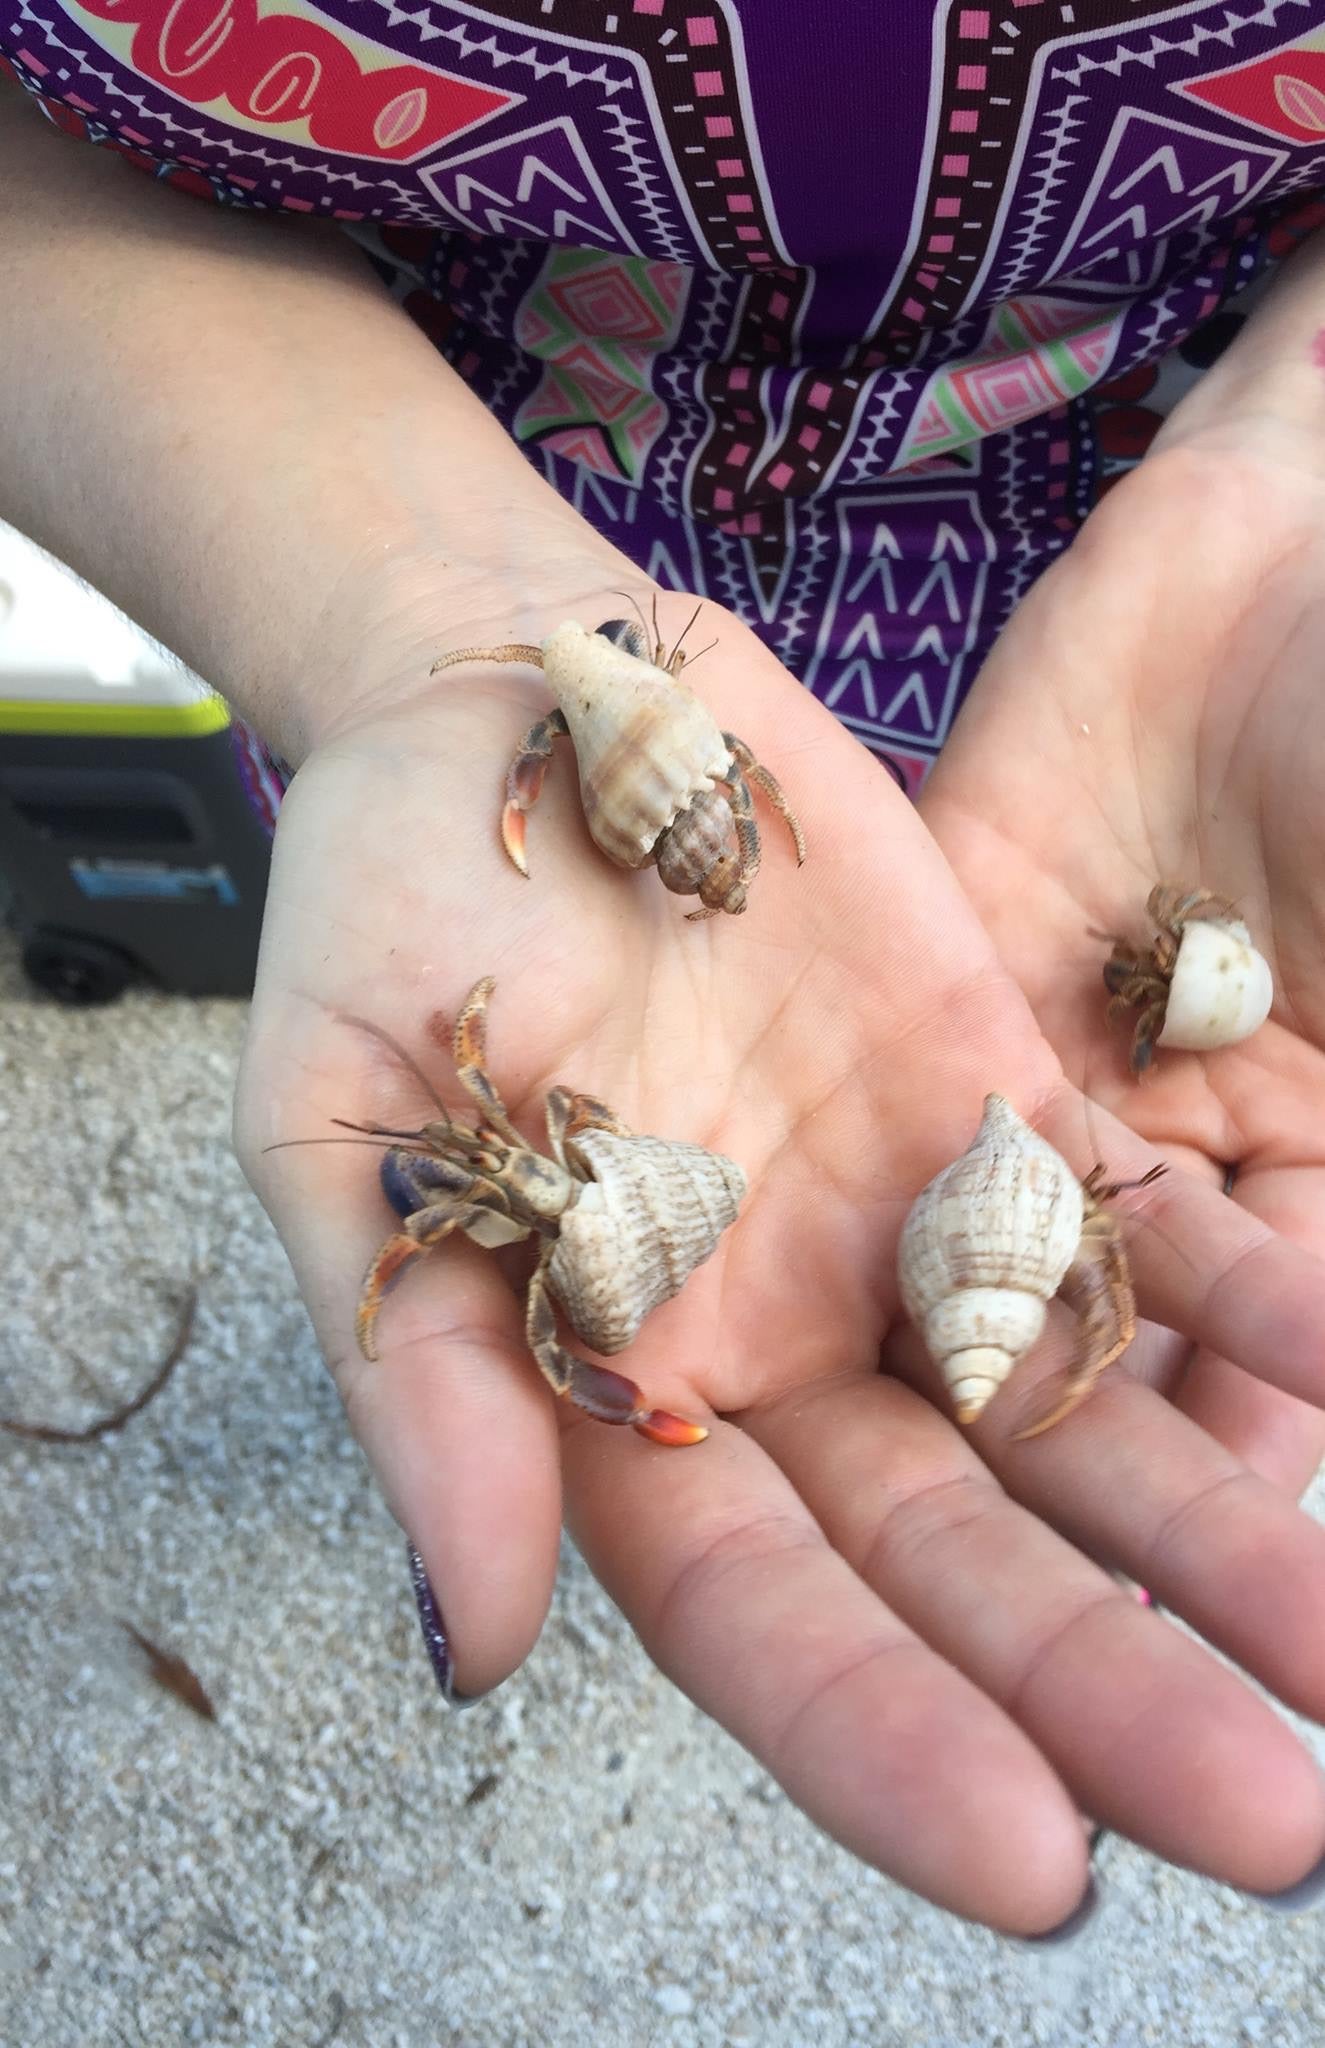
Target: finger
1277	1435
1209	1268
738	1598
1147	1730
458	1426
1142	1489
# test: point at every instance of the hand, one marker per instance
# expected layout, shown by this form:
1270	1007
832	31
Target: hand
1154	713
932	1672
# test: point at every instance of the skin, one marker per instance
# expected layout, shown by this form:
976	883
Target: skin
1185	728
912	1627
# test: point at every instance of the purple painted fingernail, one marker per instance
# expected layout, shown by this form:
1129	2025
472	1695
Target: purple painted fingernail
435	1639
1307	1895
1075	1923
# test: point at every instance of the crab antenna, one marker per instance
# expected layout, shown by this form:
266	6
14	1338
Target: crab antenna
634	604
288	1144
684	630
379	1130
1107	1189
406	1059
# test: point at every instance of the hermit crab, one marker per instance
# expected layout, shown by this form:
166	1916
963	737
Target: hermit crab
990	1242
622	1221
1201	983
660	782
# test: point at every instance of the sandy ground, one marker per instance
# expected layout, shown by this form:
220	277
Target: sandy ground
336	1858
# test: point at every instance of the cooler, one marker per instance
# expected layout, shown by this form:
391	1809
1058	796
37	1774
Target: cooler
132	837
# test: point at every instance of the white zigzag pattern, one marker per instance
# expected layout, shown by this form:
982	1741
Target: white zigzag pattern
471	45
1020	571
731	561
714	317
1013	522
499	279
885	405
1039	196
1264	15
408	202
687	423
812	546
1309	173
643	179
1162	316
87	70
506	381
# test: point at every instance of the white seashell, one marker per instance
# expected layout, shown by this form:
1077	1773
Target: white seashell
652	1213
645	745
1221	990
984	1248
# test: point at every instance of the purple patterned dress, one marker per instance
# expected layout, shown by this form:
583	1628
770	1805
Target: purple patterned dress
841	315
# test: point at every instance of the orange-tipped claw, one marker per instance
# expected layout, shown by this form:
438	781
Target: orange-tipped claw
395	1253
512	836
661	1428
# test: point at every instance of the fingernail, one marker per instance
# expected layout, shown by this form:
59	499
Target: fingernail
435	1639
1075	1922
1308	1892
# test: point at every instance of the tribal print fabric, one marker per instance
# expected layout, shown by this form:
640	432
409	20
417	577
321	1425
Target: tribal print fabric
841	316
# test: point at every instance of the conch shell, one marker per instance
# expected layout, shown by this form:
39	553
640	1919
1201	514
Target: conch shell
645	745
985	1247
653	1211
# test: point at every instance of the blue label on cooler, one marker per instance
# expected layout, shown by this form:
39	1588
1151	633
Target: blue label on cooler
144	880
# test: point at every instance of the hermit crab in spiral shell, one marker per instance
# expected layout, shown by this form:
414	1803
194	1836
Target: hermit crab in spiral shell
662	785
990	1242
621	1220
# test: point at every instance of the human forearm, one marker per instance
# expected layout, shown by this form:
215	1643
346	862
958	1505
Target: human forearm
226	425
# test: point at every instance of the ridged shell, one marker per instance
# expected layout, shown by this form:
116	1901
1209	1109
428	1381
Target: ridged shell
1221	989
985	1246
703	836
645	745
653	1212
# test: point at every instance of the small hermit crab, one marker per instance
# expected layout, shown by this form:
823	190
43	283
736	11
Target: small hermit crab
990	1242
660	782
1201	984
622	1222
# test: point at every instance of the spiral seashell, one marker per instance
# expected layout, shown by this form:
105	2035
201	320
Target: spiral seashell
645	745
652	1213
984	1249
700	840
1221	990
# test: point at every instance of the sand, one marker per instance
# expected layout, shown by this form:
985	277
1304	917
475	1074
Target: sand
336	1858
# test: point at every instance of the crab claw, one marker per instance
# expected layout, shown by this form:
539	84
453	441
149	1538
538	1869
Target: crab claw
512	835
661	1428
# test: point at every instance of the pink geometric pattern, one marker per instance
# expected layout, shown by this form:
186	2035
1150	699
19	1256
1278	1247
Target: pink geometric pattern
597	322
1037	352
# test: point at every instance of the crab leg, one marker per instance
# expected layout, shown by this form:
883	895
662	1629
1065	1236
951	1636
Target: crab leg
422	1230
772	788
514	650
1172	907
524	782
607	1396
568	1114
469	1050
1098	1287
